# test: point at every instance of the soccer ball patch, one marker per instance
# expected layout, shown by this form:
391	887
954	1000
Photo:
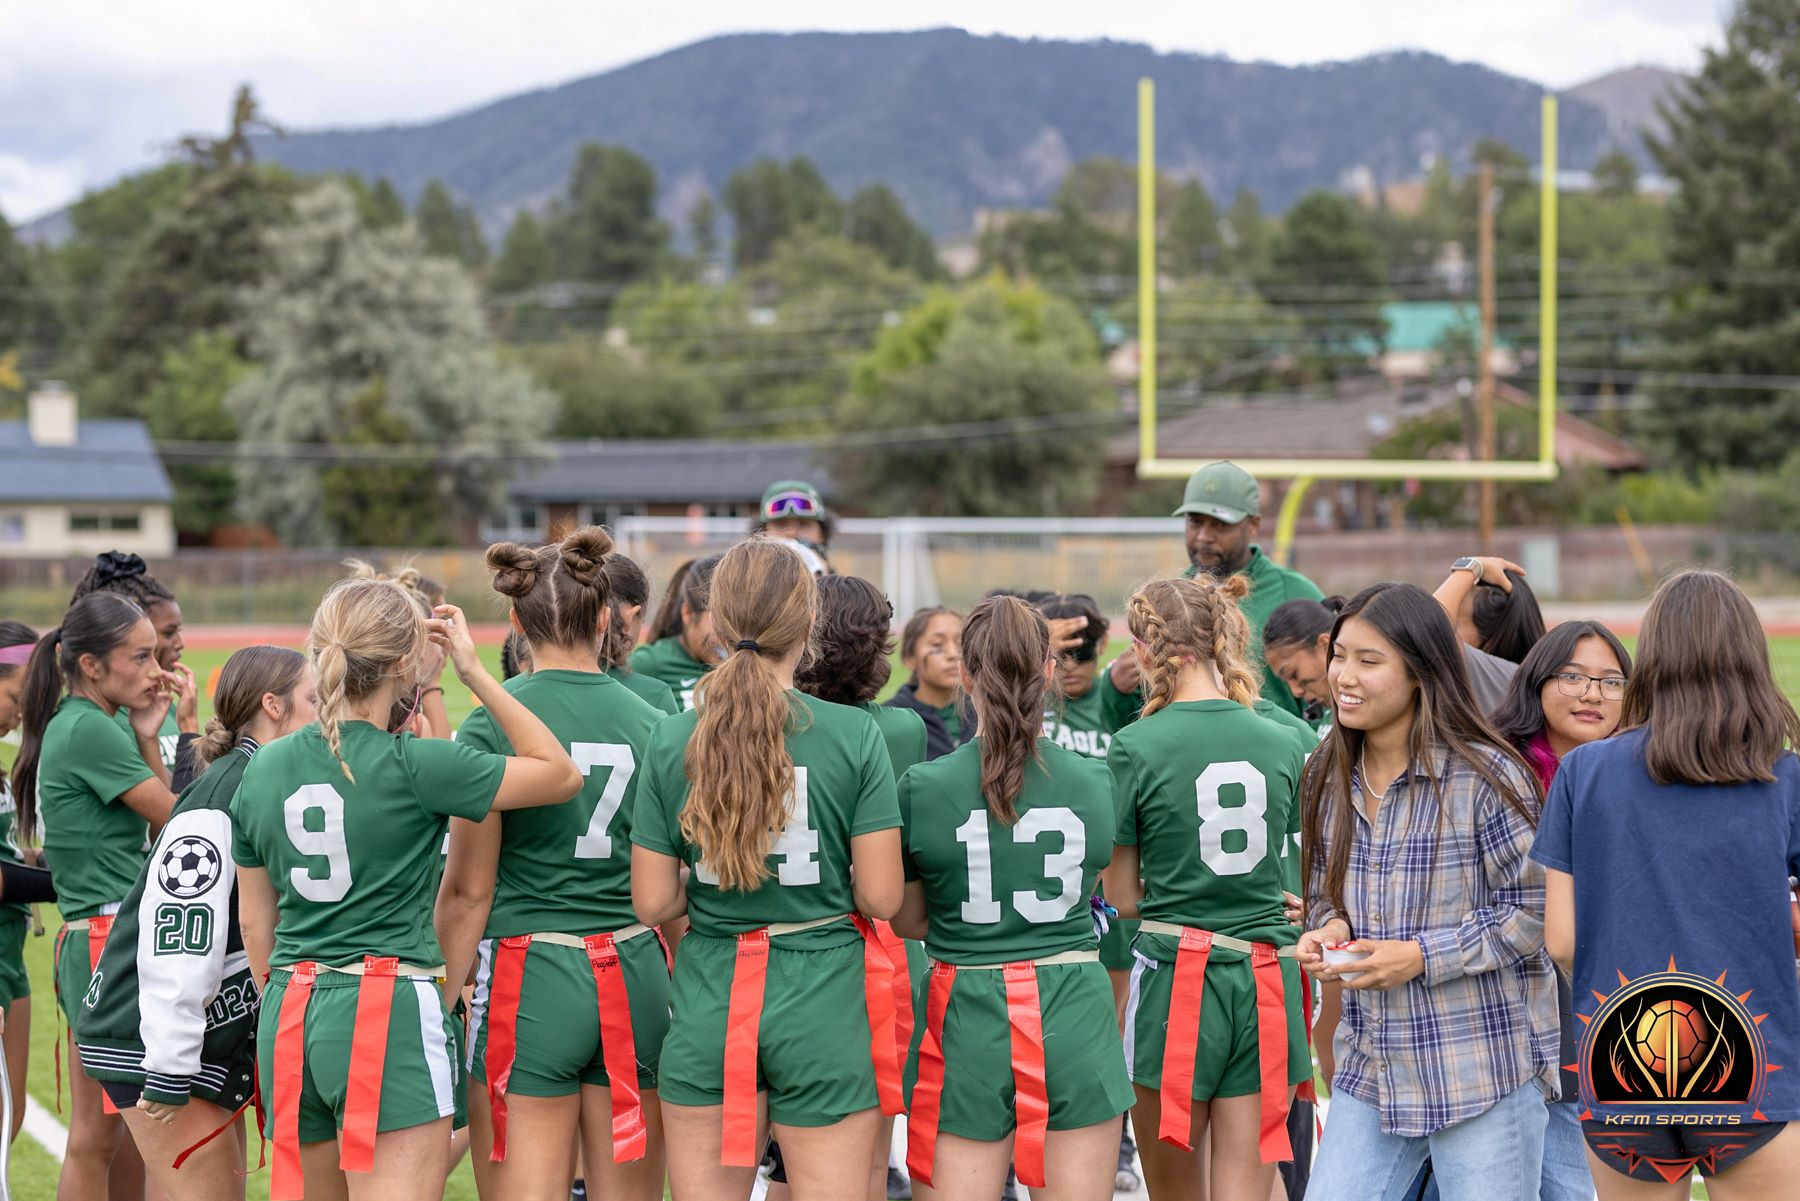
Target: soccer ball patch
190	867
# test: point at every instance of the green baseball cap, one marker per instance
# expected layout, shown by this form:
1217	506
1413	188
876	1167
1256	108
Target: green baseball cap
792	498
1221	490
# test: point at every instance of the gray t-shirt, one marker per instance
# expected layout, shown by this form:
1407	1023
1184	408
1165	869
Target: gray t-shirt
1489	676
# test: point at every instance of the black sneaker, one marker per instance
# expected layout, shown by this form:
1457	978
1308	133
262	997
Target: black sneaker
579	1191
1010	1190
1126	1179
899	1187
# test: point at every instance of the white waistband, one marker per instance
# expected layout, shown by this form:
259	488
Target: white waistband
1061	957
777	929
635	930
1218	940
358	969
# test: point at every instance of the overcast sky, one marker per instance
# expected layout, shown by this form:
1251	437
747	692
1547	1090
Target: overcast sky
90	89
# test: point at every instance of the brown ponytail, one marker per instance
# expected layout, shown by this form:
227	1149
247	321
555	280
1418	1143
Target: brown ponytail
557	591
740	778
1179	620
1005	647
366	630
246	678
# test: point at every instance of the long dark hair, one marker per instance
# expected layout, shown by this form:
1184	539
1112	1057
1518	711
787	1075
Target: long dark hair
94	625
628	585
852	639
1006	644
1509	623
1520	716
1300	622
1446	715
1704	687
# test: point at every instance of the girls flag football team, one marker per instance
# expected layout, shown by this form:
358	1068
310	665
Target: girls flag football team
681	905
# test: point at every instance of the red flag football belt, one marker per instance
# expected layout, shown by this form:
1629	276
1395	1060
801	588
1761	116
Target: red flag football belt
1183	1037
618	1044
895	948
743	1023
368	1057
1025	1021
98	928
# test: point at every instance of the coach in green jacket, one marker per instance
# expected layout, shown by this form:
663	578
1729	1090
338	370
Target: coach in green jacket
1223	509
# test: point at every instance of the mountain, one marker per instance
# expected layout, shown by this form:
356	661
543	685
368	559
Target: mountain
956	122
1629	99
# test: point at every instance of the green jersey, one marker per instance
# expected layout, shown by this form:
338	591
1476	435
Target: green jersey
951	716
95	842
667	660
1082	723
355	865
652	692
996	893
1207	791
567	868
168	738
904	732
843	787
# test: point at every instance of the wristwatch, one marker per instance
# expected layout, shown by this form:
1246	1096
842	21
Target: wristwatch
1470	564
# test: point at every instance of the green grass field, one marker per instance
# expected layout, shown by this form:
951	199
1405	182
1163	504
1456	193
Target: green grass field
34	1172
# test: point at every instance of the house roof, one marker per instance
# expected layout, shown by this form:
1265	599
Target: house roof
1420	325
675	470
111	460
1345	426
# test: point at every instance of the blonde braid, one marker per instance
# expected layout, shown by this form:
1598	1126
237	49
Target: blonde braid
1231	640
1148	626
332	669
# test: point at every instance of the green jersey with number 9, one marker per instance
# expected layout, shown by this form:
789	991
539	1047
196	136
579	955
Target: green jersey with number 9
843	787
1207	791
567	868
355	865
1003	893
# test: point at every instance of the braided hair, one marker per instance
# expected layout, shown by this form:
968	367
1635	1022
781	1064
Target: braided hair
1193	620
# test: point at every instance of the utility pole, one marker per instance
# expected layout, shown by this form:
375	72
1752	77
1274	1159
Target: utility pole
1486	392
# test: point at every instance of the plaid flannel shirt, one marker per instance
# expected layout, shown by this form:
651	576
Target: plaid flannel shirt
1481	1020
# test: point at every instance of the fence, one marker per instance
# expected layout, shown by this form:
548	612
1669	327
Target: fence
921	561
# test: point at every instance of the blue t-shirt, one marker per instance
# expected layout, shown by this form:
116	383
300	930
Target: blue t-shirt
1690	876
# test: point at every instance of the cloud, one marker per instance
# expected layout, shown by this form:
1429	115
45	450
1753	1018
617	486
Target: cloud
29	189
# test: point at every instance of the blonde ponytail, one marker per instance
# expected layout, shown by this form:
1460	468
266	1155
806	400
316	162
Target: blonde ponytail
367	630
1188	619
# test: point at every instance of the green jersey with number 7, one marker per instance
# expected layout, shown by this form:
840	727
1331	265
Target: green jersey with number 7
567	868
1001	893
355	864
843	787
1207	792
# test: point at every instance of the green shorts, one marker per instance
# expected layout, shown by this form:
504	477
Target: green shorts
1084	1066
1115	944
558	1035
1227	1059
14	983
419	1077
70	973
812	1044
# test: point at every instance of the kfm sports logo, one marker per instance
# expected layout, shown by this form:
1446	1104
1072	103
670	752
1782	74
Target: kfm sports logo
1670	1049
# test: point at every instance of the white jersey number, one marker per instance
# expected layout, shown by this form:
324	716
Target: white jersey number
327	843
596	843
797	846
1217	820
1064	867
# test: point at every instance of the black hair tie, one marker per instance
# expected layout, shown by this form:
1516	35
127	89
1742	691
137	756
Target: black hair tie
748	644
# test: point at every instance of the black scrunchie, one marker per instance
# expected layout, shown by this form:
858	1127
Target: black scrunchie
117	565
748	644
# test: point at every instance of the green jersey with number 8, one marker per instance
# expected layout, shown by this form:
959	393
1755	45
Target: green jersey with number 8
1207	791
996	893
567	868
843	787
355	865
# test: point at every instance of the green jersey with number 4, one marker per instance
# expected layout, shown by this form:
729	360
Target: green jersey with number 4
95	841
1002	893
355	865
843	787
1207	791
567	868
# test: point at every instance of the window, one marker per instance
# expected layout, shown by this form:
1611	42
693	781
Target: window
608	513
12	527
514	522
123	521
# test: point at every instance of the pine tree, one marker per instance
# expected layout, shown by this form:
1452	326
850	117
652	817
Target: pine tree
524	261
1732	146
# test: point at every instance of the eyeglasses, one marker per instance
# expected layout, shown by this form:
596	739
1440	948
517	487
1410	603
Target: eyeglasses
793	504
1575	683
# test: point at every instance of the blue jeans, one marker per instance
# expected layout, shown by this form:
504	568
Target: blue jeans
1495	1156
1566	1177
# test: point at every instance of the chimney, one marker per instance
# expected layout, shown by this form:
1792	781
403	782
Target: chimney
52	415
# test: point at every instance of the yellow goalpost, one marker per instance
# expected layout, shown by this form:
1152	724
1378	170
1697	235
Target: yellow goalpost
1304	471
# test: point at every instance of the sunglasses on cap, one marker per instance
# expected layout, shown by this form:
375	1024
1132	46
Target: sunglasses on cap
794	504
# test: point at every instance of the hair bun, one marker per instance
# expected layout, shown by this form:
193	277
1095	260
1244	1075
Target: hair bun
515	568
1334	604
584	553
215	741
1237	587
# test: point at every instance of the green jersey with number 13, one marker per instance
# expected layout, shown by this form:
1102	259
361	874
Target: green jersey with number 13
567	868
1207	791
355	865
999	893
